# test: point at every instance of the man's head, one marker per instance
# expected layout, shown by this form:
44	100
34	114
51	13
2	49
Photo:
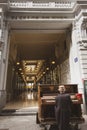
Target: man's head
61	89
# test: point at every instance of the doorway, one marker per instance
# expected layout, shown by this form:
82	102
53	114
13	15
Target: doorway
32	60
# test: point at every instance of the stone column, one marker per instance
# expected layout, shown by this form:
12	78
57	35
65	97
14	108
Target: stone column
73	55
4	64
82	46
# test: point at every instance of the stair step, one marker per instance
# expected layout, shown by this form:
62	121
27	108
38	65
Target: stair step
18	112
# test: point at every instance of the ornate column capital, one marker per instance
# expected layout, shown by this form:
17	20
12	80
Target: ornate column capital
84	33
84	43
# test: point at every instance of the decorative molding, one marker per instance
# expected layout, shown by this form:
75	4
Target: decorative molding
82	44
74	27
41	4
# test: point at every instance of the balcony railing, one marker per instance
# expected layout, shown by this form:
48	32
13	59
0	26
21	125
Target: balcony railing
27	4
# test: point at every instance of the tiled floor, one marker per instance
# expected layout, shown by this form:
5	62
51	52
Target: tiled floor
26	99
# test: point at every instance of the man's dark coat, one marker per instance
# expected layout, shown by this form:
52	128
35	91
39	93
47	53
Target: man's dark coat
63	110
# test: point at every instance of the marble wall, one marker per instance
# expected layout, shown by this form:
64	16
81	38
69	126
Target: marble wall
65	77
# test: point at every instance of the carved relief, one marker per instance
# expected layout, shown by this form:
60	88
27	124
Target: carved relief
84	43
84	34
84	29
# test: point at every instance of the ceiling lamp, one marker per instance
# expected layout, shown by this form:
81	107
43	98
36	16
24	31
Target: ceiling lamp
47	68
20	69
21	73
53	62
18	63
44	72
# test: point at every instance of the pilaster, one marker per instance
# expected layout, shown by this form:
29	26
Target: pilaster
74	58
3	61
82	46
82	55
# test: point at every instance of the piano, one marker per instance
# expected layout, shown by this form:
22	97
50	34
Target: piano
46	99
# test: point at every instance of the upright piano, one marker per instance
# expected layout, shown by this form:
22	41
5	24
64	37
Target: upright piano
46	98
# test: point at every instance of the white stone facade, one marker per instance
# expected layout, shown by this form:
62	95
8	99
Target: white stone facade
67	14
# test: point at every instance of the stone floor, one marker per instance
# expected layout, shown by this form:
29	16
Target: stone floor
27	123
84	125
19	123
27	102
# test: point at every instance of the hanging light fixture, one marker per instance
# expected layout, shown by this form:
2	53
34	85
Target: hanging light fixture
53	62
